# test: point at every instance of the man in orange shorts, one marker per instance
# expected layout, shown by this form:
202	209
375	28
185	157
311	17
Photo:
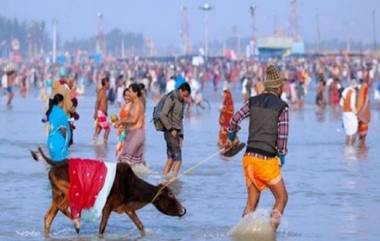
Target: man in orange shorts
267	144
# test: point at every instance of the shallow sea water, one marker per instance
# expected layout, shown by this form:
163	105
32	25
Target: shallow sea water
334	191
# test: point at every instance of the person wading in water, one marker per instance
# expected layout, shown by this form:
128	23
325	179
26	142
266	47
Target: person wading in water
171	117
267	145
100	114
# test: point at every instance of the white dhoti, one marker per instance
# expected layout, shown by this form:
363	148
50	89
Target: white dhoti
350	123
377	95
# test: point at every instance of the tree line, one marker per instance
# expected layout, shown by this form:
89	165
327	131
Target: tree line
33	40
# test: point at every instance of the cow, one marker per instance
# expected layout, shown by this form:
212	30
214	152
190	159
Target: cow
128	194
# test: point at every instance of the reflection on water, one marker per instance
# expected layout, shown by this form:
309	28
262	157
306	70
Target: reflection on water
350	153
320	114
363	152
333	189
101	151
356	153
334	114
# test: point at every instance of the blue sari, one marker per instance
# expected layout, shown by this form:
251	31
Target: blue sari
58	145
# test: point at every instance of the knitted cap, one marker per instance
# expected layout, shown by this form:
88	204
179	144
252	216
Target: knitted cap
273	79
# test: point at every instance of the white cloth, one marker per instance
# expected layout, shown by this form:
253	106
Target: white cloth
96	211
119	94
195	88
329	81
284	97
293	92
170	86
244	86
352	100
377	95
4	81
350	123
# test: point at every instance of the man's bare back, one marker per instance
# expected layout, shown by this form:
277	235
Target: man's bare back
102	100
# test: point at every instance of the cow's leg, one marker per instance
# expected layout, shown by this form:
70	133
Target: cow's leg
65	212
61	186
61	202
132	215
105	216
76	221
49	217
63	206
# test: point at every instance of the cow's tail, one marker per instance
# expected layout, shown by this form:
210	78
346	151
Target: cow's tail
40	154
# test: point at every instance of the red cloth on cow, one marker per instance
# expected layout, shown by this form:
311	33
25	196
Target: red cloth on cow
86	178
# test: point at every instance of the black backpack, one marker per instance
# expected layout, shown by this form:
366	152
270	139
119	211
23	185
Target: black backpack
157	112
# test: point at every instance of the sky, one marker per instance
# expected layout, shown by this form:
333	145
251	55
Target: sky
161	19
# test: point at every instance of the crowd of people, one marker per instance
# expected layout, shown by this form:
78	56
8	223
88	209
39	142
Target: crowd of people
345	81
269	89
330	73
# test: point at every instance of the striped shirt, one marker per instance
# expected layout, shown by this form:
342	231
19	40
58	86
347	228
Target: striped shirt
283	126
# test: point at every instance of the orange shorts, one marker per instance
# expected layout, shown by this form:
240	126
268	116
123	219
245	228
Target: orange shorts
261	172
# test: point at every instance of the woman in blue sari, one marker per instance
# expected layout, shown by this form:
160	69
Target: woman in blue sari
59	131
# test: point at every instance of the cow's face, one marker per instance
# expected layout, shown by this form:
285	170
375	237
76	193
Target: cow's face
167	203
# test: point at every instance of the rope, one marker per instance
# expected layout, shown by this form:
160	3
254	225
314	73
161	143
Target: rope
187	172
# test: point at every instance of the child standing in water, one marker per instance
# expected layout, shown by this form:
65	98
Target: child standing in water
121	129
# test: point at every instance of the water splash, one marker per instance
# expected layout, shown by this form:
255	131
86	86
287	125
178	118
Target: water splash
254	226
141	170
29	234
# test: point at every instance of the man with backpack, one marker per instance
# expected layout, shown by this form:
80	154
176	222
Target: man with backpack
168	117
